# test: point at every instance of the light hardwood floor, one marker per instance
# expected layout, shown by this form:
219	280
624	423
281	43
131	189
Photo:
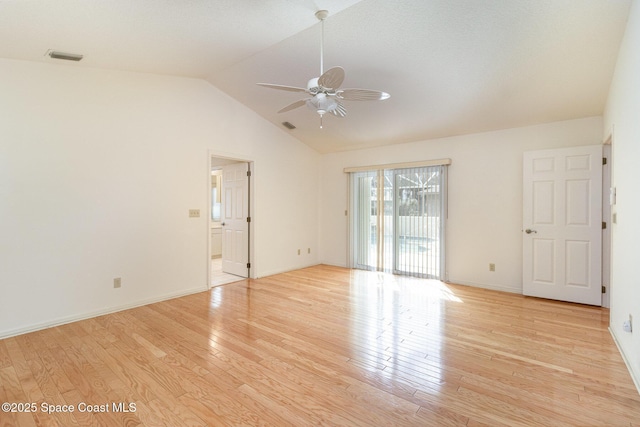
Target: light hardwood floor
327	346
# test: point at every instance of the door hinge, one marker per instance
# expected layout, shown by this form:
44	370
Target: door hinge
248	173
249	266
604	225
604	161
249	219
604	289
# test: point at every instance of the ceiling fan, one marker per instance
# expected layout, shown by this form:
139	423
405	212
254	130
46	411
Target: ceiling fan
326	95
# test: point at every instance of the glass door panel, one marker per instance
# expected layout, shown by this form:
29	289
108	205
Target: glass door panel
365	209
397	221
418	214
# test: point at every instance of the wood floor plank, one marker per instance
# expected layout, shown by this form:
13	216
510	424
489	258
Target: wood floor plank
32	392
118	374
5	359
328	346
8	418
51	397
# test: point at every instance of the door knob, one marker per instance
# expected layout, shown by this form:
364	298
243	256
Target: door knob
529	231
223	224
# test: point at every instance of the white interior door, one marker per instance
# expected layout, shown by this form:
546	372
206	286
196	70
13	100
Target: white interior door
235	211
562	224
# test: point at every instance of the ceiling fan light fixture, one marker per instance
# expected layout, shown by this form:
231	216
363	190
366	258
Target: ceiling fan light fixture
322	104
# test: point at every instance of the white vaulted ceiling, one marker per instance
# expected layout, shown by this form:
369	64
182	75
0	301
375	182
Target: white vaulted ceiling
451	66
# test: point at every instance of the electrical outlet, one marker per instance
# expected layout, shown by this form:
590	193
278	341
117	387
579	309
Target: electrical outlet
492	267
117	282
194	213
298	251
308	250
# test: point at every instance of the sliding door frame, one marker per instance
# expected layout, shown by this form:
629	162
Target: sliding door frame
379	173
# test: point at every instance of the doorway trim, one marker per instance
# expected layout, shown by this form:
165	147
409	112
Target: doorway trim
252	259
608	203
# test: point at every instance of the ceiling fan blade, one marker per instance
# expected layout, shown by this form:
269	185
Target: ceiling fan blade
339	111
362	95
332	78
282	87
292	106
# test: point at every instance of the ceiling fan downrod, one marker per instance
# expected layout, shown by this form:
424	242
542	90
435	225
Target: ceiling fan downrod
321	15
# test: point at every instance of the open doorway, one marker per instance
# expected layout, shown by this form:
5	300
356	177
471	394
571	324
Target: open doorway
229	220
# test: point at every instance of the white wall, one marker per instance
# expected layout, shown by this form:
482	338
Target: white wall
622	116
98	170
485	195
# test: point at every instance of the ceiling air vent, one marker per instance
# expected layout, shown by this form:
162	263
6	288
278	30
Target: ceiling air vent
288	125
66	56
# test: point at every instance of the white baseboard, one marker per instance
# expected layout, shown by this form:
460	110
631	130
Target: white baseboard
462	282
96	313
286	270
489	286
636	381
335	264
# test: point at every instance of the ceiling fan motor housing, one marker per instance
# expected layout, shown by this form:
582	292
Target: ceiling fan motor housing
312	85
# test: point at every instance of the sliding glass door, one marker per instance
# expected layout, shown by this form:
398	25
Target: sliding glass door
372	210
397	220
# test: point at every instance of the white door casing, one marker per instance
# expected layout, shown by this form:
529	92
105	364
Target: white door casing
562	224
235	211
